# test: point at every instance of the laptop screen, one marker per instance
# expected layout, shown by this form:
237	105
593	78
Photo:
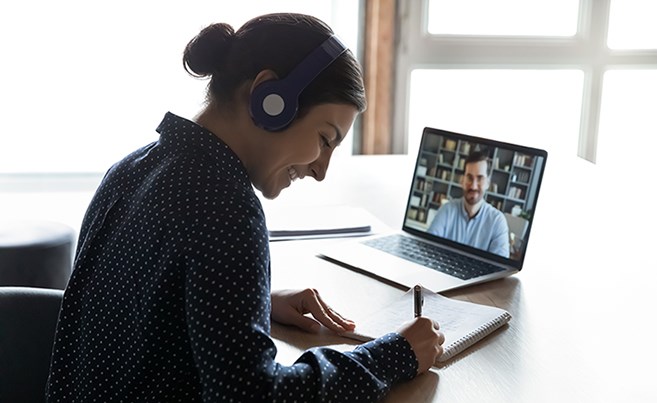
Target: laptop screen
475	194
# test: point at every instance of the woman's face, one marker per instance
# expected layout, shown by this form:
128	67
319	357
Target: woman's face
303	149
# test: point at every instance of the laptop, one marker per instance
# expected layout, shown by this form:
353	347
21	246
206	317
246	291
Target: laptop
468	217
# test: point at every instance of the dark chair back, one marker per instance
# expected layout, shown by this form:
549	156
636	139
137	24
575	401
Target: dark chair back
28	318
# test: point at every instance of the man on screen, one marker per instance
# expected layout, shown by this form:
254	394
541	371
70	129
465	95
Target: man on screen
470	219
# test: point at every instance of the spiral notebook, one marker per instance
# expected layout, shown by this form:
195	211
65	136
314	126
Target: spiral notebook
463	323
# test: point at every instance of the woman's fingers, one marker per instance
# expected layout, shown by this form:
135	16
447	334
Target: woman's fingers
345	323
291	306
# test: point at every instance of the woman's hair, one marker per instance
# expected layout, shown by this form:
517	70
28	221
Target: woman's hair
277	42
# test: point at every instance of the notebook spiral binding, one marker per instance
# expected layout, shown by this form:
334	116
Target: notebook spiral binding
474	336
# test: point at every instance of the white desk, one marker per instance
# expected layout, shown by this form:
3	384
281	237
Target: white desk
581	306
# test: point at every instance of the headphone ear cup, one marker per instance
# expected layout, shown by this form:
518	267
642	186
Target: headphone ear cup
272	106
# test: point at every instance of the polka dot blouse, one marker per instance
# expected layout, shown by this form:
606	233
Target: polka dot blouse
173	240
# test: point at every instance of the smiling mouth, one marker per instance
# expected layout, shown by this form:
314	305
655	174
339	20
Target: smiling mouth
294	175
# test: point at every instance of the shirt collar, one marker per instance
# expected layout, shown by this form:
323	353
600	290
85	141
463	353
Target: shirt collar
181	134
464	213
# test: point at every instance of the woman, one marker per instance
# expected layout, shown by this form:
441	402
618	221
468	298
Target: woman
170	299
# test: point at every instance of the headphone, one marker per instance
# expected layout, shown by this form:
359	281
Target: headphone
274	103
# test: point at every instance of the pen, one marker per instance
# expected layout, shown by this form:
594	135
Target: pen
418	300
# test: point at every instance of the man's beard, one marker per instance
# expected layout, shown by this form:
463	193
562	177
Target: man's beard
473	197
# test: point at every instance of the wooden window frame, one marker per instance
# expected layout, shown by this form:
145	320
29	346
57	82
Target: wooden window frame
379	76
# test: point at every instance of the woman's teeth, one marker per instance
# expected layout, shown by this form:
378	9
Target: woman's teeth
294	175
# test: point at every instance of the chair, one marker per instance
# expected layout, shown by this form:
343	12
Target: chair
518	227
28	318
35	253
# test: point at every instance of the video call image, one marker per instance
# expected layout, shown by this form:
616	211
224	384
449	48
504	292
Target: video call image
474	194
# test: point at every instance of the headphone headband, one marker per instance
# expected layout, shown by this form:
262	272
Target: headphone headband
313	64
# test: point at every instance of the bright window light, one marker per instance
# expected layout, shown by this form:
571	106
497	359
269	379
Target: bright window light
632	24
84	83
537	108
628	128
503	17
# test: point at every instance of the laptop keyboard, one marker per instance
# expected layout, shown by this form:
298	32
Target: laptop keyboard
442	260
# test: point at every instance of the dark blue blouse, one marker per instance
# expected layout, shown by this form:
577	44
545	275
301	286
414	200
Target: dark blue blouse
172	242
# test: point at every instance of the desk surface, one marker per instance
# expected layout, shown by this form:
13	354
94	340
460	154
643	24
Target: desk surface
581	305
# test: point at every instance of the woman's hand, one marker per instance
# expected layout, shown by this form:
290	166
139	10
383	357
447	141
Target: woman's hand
290	306
425	339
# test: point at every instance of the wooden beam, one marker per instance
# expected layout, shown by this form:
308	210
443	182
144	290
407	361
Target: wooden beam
378	67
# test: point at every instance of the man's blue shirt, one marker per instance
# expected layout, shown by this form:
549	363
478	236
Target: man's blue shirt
487	230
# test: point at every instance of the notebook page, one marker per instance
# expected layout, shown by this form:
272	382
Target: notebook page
463	323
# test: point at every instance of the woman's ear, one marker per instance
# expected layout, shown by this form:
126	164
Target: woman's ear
264	75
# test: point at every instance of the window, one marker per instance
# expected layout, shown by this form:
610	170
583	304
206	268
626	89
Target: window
628	128
85	83
632	24
545	73
506	104
501	17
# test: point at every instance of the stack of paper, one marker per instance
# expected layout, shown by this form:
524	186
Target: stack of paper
305	222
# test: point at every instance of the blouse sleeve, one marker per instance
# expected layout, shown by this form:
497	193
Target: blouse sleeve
228	308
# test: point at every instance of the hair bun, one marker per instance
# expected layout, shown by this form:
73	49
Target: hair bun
206	52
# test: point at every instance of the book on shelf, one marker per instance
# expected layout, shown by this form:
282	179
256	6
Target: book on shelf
463	323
